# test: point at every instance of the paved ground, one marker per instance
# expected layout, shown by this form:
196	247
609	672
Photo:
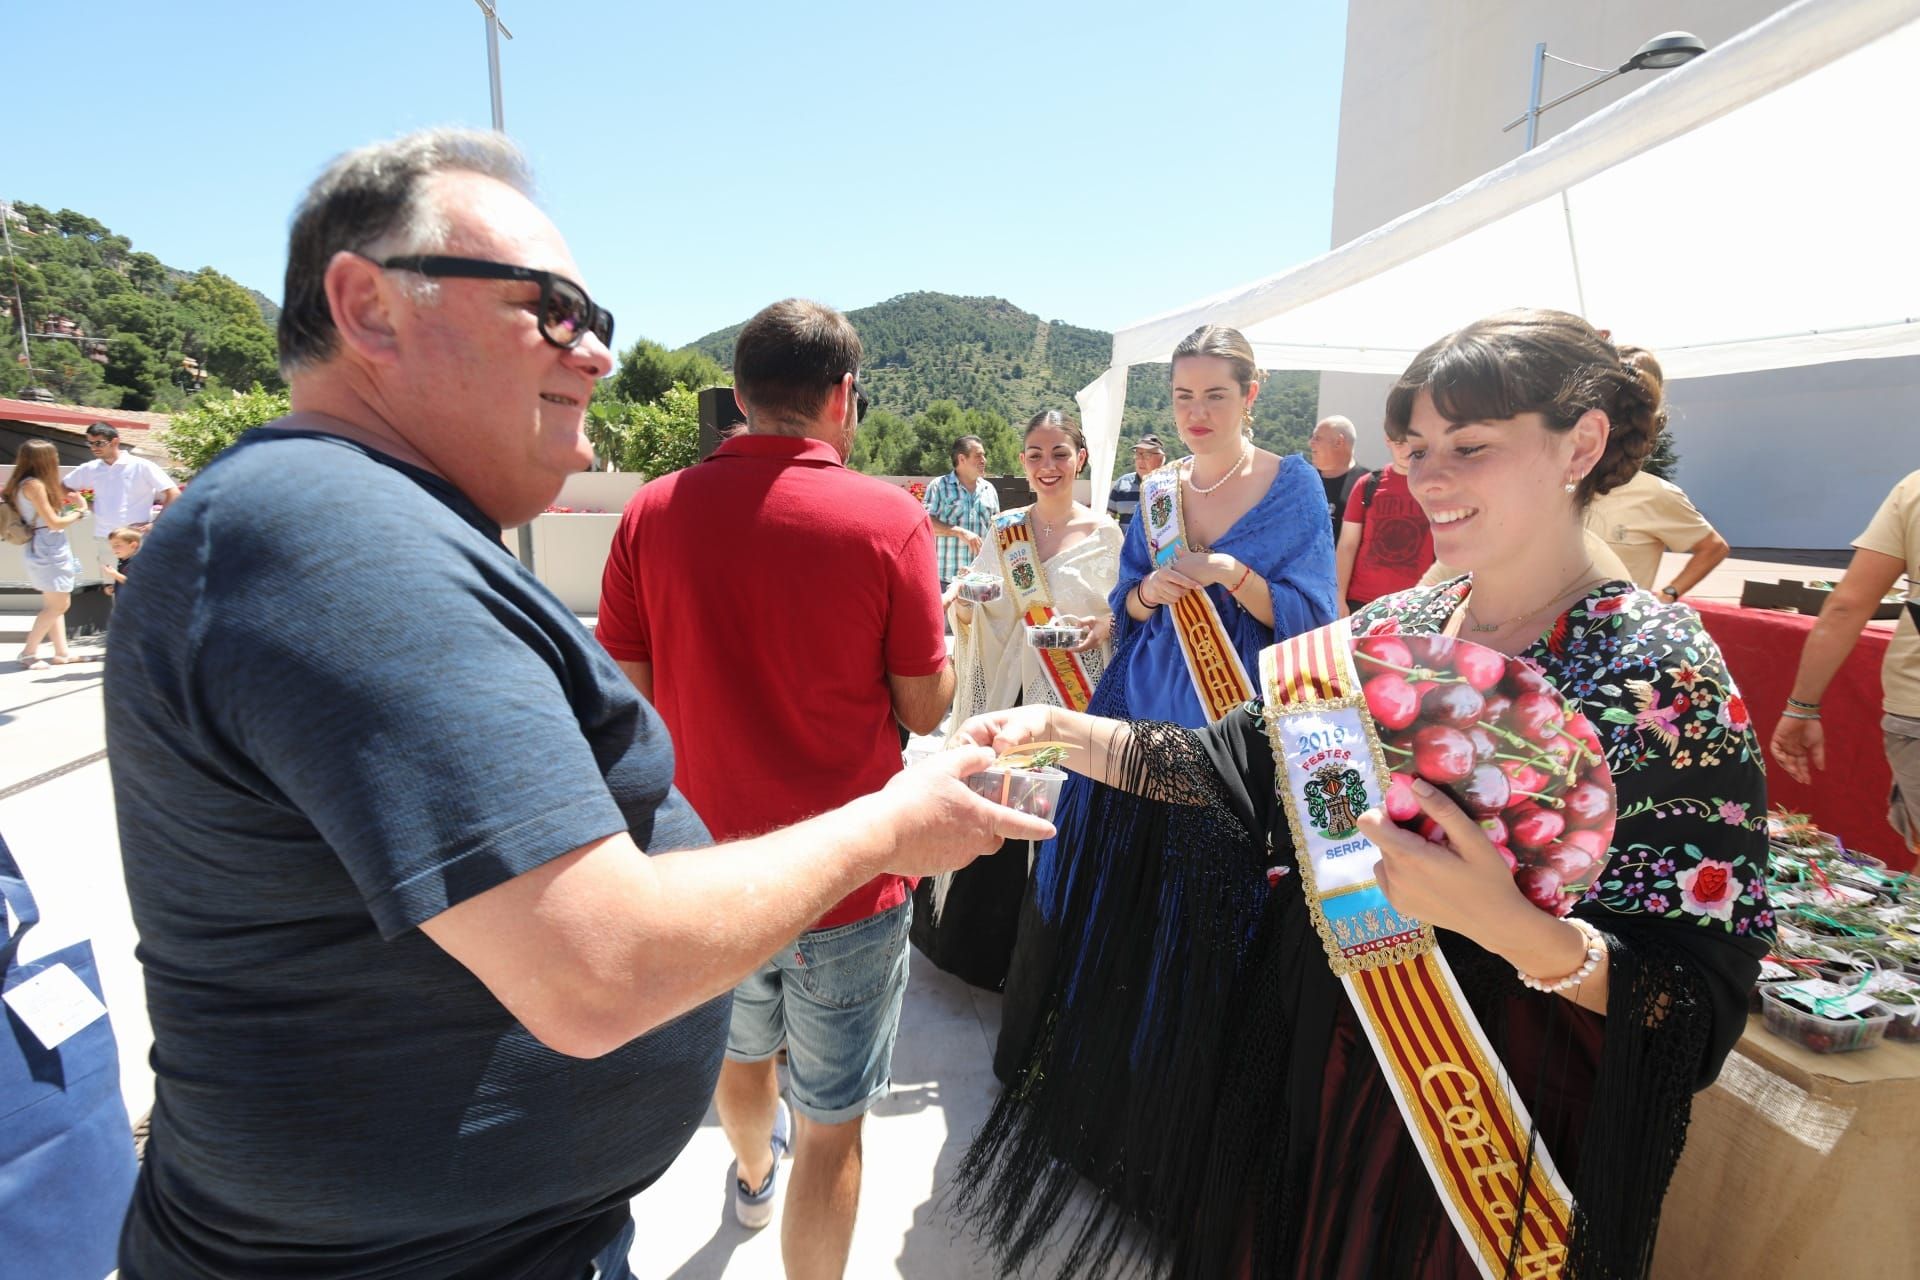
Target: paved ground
56	810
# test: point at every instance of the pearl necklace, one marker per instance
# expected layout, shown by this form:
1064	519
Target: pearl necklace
1246	447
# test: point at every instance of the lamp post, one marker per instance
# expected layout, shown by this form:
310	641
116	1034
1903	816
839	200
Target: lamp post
495	29
1657	54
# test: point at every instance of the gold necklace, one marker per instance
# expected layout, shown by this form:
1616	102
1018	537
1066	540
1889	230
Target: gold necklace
1586	575
1246	446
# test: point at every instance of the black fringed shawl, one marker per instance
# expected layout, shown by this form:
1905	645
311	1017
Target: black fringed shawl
1200	1064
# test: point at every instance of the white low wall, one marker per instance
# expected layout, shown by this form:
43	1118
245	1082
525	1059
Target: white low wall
569	548
570	554
13	566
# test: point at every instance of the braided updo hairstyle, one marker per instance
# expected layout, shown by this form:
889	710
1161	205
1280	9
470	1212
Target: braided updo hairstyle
1551	363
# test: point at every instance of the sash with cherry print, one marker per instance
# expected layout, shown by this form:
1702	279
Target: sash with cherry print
1512	1209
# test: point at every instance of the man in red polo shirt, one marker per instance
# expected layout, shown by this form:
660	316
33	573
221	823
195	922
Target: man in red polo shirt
782	613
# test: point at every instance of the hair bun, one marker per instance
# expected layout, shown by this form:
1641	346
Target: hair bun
1638	416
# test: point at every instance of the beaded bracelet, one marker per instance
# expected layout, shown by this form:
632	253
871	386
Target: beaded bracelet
1596	948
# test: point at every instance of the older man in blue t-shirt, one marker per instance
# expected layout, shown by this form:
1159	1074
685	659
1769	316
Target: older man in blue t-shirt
430	939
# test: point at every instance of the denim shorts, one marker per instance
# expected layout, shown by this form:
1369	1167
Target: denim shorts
833	999
611	1262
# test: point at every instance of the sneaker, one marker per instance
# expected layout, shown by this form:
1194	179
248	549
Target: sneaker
754	1209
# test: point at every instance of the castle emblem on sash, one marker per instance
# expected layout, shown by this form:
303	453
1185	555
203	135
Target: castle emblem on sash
1161	510
1023	575
1336	795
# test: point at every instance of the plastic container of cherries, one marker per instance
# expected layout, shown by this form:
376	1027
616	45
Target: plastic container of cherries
1011	781
1494	734
1053	635
981	588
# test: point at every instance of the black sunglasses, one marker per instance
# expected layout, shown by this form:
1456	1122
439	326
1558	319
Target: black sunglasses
566	313
859	403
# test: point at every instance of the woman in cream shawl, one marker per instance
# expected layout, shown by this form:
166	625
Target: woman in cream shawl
1058	555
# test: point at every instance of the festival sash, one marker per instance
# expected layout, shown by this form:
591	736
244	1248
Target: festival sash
1013	532
1508	1202
1219	678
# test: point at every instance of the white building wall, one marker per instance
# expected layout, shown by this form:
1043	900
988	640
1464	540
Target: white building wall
1787	458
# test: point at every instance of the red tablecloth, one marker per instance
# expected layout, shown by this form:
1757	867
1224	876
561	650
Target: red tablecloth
1849	799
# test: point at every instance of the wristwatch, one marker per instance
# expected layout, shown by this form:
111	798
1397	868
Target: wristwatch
1670	594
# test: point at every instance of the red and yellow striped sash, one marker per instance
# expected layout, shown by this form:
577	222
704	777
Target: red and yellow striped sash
1473	1133
1065	673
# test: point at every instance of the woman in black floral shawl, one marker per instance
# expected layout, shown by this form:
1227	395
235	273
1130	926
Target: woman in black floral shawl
1254	1133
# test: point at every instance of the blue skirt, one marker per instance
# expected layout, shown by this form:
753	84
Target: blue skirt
51	564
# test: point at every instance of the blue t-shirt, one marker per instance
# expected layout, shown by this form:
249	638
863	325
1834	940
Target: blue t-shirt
336	707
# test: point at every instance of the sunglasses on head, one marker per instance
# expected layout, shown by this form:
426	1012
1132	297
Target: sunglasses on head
567	314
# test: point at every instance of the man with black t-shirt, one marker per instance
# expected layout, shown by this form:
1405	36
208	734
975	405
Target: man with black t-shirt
1331	448
436	956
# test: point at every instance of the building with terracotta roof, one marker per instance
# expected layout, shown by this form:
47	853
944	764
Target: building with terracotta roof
65	427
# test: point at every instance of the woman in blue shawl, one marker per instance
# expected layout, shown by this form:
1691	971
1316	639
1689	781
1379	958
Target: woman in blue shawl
1245	529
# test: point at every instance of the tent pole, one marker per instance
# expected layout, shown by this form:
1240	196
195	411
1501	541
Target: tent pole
1573	254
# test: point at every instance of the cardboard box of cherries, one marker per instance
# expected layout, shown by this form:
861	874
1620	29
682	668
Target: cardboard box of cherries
1494	734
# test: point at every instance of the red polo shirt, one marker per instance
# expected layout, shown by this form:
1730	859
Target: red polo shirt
773	591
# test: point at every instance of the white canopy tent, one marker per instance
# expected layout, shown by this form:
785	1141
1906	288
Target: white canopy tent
1753	209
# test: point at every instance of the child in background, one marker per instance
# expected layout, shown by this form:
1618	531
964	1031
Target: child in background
125	545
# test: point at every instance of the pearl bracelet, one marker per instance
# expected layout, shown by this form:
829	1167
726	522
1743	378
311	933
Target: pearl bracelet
1596	947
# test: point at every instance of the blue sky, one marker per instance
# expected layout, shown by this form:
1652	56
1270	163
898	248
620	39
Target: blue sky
1093	162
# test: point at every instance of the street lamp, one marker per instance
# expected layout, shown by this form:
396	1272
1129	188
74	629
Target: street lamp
1657	54
495	29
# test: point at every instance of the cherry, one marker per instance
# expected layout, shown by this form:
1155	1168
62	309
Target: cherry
1571	863
1496	708
1513	863
1485	791
1496	829
1584	733
1536	717
1588	805
1431	831
1485	745
1524	777
1387	650
1401	804
1542	887
1392	700
1592	843
1562	749
1523	679
1480	667
1442	755
1436	651
1454	704
1534	827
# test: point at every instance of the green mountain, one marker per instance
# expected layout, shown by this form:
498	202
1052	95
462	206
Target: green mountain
988	355
112	327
